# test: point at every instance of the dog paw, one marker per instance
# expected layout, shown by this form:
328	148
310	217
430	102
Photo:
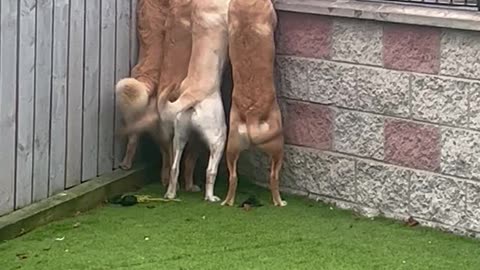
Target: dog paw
170	195
125	166
281	203
227	203
194	188
212	198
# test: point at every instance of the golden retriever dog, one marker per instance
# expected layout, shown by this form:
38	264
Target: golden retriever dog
134	93
255	117
199	108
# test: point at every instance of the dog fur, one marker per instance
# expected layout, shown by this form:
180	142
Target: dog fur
177	52
134	93
202	84
255	117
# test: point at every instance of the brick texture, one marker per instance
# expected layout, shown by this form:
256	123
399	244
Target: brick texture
412	145
412	48
308	124
304	35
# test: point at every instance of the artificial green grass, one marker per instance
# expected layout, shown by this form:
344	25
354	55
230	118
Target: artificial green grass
193	234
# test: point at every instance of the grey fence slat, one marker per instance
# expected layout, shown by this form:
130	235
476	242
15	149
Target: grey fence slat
43	67
25	115
107	85
59	97
133	36
8	86
122	68
91	90
75	93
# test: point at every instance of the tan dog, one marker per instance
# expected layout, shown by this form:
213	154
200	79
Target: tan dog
199	107
255	117
133	94
177	48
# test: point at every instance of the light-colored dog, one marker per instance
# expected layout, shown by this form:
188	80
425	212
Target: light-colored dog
199	107
133	94
255	117
177	48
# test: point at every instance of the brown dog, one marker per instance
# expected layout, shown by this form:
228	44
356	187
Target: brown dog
177	51
255	117
134	94
177	47
199	107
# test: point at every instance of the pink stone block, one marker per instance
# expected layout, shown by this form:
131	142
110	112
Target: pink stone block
308	124
412	145
412	48
304	35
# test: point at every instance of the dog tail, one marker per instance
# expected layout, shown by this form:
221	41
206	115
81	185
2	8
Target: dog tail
259	136
162	100
152	113
132	95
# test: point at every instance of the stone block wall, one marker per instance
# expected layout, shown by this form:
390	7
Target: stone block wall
381	118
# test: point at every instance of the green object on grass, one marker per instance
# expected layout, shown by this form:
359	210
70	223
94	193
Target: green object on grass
201	235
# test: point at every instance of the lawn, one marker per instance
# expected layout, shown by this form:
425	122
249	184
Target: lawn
193	234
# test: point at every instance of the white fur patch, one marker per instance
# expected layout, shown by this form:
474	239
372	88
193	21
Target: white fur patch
185	22
263	29
242	129
264	127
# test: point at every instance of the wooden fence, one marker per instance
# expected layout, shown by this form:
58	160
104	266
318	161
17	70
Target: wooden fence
59	62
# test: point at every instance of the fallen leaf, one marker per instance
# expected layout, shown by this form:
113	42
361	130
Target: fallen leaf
60	238
76	225
22	256
411	222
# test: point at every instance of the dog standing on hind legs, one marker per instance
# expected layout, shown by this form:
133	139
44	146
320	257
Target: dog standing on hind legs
200	108
255	117
134	94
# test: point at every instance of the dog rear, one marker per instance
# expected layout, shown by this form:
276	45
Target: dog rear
255	117
134	94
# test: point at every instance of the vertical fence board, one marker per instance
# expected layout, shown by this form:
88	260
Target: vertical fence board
43	67
75	93
133	35
59	62
122	68
59	97
8	87
91	89
25	115
107	84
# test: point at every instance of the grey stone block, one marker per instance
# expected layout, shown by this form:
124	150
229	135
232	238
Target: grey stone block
460	53
293	73
320	173
460	153
437	198
383	187
474	102
357	41
329	83
472	220
441	100
360	134
358	87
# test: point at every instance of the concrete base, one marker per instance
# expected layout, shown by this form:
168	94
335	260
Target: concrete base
65	204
